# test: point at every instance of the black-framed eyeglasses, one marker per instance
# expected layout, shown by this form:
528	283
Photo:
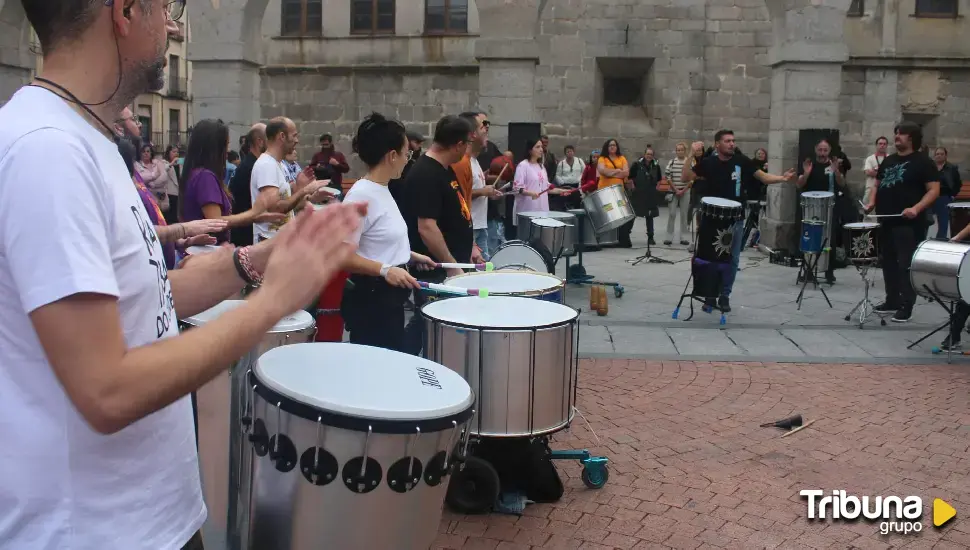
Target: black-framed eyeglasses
176	9
486	123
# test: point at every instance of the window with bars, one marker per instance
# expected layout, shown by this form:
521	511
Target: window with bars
446	16
372	16
936	8
301	18
856	8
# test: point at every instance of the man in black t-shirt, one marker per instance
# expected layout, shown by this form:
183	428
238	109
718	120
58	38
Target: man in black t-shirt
439	219
723	175
825	173
906	185
255	145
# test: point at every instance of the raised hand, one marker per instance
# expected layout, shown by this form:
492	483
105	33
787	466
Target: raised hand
807	167
202	227
307	253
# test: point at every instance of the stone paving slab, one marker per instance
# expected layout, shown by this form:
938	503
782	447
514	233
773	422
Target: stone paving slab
690	468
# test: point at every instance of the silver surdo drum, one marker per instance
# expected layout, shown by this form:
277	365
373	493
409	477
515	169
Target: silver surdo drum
518	355
520	256
352	447
944	268
220	405
571	237
608	208
544	286
550	233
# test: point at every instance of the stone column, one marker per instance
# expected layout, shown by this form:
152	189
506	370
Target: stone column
224	51
806	59
16	59
507	61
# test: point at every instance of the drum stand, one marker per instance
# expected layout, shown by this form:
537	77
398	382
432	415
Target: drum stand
950	311
865	305
576	275
810	268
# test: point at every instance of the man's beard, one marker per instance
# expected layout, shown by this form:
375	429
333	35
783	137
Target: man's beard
143	77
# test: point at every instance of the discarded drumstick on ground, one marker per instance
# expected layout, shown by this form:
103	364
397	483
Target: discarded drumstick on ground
798	429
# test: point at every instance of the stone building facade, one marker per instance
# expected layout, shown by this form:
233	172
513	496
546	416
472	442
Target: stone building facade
643	71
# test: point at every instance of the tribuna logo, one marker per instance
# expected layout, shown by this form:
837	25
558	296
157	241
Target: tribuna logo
895	514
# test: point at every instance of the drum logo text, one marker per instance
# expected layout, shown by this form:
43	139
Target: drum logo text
428	378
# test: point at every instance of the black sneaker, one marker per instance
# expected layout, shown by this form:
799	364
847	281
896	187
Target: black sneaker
885	308
724	304
903	315
685	243
946	346
668	242
651	241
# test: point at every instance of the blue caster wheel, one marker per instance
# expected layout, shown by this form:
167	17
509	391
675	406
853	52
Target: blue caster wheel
676	313
707	309
595	477
618	291
723	319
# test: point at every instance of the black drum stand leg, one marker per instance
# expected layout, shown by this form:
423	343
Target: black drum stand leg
811	271
950	311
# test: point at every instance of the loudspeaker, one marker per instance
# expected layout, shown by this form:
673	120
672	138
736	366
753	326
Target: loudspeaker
521	133
808	139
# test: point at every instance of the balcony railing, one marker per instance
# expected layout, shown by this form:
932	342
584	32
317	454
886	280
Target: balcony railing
178	87
161	140
180	35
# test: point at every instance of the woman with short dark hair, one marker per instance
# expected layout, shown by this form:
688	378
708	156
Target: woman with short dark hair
374	309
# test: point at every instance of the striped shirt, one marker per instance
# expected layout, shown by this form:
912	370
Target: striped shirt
674	173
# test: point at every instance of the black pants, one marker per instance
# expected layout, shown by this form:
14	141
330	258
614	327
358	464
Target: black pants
195	543
899	242
414	335
172	216
374	313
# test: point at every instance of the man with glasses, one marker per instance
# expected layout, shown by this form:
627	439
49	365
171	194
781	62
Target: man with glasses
94	375
471	178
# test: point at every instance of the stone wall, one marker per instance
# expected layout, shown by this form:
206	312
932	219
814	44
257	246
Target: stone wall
335	102
707	70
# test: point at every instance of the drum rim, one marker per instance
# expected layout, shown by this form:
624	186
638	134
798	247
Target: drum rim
534	220
535	328
861	225
709	201
818	194
193	321
549	214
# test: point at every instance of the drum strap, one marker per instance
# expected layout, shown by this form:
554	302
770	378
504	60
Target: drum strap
737	180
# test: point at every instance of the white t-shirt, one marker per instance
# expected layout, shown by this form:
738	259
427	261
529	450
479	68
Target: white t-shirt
269	172
79	226
479	204
383	234
872	163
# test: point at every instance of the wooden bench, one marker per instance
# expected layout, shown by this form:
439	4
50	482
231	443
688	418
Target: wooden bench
964	194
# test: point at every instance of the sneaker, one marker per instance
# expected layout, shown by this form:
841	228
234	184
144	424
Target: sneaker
724	304
668	242
710	302
946	346
651	241
685	243
885	308
903	315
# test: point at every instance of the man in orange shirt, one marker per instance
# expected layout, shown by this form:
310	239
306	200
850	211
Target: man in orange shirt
471	179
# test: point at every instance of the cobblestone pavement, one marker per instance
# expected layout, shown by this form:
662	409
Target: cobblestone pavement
690	468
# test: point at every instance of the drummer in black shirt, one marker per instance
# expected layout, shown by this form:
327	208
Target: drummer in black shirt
824	174
723	175
908	183
438	218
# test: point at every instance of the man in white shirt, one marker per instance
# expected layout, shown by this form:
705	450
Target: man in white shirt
480	191
94	375
270	184
871	167
569	173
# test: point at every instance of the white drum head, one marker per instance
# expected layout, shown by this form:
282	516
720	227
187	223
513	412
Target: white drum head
499	312
193	250
818	194
963	278
296	321
547	222
861	225
506	281
718	201
364	382
960	205
518	254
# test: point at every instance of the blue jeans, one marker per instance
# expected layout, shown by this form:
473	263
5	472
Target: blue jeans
942	212
496	236
481	239
737	243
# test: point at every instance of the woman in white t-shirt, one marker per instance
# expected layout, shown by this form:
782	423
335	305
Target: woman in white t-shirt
373	309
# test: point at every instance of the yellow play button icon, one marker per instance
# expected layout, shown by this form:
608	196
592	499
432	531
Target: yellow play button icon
942	512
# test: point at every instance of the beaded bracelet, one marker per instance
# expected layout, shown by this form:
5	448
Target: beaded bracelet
247	265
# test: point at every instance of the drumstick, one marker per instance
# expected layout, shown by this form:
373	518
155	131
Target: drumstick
480	292
487	266
499	176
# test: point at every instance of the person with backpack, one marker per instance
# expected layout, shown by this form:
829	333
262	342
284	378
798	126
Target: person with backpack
950	184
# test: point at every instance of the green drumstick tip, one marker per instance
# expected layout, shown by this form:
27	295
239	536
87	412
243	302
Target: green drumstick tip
489	266
482	293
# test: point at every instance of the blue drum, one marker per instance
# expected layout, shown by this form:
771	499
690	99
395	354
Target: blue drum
526	284
813	233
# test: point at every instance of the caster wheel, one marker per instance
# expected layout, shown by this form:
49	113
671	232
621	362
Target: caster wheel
618	291
596	477
474	487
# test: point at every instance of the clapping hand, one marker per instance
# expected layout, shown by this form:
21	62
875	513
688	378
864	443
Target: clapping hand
807	167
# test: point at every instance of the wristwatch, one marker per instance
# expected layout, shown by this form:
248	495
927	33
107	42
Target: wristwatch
384	269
